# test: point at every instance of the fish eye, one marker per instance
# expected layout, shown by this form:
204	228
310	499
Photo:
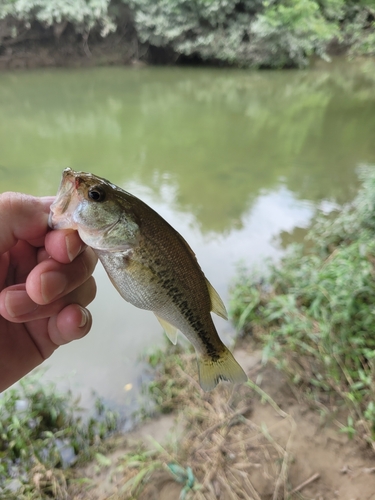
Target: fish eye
96	193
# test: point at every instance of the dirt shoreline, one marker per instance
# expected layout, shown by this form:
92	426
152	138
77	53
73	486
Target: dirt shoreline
69	53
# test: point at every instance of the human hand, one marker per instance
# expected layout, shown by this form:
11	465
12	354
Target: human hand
45	286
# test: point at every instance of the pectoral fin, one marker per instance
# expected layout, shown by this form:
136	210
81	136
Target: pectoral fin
217	305
170	330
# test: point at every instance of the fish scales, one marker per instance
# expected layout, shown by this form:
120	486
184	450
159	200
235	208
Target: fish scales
162	286
149	263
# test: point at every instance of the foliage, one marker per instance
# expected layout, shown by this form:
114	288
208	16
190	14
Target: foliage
246	32
40	433
359	28
334	10
289	33
212	30
82	14
316	310
258	33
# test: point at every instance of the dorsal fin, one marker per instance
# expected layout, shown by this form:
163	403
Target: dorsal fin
170	330
217	305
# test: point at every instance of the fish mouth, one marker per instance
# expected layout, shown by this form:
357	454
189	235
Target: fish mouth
63	200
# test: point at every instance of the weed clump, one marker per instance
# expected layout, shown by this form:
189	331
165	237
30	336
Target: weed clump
315	311
42	432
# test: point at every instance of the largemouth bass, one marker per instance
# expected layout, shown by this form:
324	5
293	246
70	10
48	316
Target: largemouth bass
150	264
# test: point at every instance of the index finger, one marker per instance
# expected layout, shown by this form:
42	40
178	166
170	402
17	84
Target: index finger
22	217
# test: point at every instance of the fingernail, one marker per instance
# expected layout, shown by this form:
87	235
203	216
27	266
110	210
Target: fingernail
73	246
53	284
18	303
85	317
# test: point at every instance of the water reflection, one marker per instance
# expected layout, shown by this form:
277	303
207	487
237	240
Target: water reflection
232	158
217	134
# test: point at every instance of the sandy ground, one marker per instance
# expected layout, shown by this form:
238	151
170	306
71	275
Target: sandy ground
325	464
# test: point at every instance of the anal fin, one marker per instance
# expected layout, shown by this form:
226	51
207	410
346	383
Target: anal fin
170	330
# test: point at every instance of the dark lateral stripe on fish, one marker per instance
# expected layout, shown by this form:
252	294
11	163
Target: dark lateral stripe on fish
176	296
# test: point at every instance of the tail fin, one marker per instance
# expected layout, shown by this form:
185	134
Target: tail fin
225	368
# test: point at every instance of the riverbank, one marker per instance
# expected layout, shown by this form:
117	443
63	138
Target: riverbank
314	312
263	440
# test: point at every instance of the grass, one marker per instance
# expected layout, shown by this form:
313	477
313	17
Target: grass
42	433
314	312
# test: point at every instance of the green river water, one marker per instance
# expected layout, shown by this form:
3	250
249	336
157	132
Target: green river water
237	161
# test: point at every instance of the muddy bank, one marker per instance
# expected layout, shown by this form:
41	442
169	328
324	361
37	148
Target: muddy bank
64	53
60	45
69	53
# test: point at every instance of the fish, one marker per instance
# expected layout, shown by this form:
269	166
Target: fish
150	264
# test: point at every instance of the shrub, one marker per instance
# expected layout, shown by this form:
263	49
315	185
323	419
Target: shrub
289	33
247	32
359	28
82	14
